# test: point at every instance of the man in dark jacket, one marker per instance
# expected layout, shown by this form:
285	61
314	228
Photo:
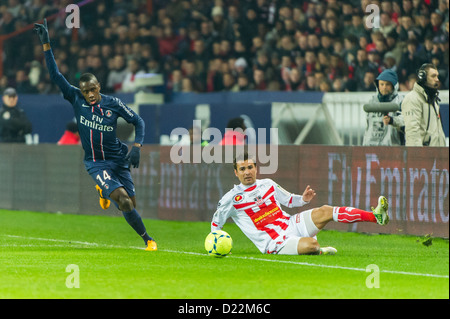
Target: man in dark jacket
14	124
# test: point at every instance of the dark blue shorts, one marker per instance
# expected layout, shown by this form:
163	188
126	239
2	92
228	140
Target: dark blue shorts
110	176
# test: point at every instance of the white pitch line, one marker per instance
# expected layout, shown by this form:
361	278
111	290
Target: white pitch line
237	257
343	267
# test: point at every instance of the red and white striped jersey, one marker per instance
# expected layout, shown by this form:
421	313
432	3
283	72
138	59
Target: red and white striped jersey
256	210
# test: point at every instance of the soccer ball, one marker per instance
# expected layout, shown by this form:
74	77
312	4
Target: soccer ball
218	243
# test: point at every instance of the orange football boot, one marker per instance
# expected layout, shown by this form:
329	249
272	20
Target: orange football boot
151	246
104	202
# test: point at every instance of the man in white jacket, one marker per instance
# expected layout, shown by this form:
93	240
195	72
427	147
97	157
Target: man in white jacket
420	109
254	205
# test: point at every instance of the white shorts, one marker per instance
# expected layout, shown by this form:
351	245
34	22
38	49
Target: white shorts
300	225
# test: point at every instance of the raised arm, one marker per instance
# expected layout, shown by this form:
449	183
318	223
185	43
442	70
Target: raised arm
65	87
293	200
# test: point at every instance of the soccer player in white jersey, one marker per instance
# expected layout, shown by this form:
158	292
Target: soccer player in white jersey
255	207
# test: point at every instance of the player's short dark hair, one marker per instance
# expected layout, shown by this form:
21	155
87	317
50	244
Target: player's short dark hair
242	157
87	77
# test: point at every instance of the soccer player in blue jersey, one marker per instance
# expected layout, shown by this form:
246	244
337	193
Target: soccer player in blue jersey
106	158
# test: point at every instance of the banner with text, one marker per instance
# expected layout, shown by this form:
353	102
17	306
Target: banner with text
414	180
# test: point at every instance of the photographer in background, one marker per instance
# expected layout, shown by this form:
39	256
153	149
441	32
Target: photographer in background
385	129
420	108
14	123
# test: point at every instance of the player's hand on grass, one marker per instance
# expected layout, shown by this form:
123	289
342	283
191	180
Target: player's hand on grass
42	32
134	156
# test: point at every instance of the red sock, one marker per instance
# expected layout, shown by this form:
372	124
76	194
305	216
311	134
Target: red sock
352	215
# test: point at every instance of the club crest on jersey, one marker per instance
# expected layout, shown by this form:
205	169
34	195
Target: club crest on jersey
108	113
258	200
238	198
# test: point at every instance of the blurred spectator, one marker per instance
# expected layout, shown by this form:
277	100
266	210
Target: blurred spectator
367	84
410	61
427	49
71	135
95	65
186	85
234	132
409	84
117	75
294	80
14	123
220	25
262	60
310	62
133	69
394	48
406	29
285	46
386	24
258	80
436	23
23	85
196	75
286	65
356	28
229	83
423	28
202	32
199	55
350	49
250	26
243	83
175	81
310	84
240	67
324	86
240	51
374	59
34	75
360	67
3	83
338	85
213	80
168	41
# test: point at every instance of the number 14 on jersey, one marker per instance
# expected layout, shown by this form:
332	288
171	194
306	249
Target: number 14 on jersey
106	176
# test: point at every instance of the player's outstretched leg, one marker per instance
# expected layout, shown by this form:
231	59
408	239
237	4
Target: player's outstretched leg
321	216
132	217
378	215
135	221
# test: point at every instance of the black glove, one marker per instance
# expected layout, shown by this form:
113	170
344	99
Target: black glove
42	32
134	156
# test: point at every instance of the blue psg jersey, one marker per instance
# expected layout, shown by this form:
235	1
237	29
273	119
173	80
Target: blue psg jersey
97	123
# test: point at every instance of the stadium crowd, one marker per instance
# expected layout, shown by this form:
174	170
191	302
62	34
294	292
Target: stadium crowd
229	45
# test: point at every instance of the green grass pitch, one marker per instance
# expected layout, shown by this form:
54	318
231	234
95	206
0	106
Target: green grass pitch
43	254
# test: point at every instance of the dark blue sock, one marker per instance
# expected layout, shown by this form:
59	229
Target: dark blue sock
134	220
